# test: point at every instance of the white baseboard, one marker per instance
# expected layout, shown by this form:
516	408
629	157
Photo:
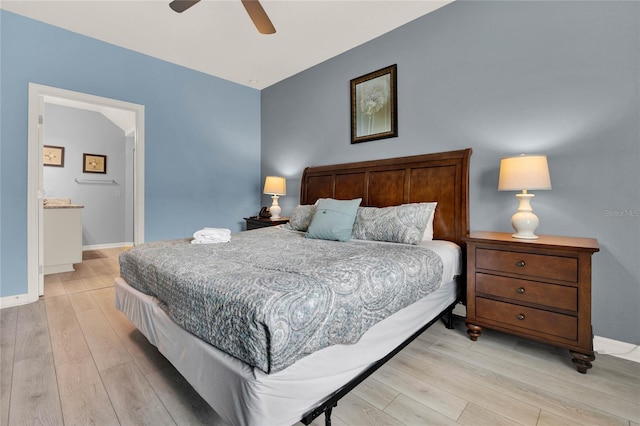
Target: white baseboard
106	246
605	346
56	269
16	300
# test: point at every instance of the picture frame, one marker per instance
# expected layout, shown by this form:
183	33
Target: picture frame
94	163
53	156
374	105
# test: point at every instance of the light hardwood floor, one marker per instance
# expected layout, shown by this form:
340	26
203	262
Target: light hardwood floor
72	359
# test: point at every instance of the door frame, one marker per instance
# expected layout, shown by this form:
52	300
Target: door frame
38	95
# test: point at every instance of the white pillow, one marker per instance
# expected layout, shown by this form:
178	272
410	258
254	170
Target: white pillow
428	232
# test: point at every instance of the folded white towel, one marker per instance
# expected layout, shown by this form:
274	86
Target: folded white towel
211	235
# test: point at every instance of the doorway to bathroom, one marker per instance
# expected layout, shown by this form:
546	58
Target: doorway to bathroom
65	120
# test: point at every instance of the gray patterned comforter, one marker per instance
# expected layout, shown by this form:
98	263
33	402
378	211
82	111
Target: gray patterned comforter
269	297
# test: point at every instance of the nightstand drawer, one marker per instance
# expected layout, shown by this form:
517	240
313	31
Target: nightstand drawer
535	265
560	325
551	295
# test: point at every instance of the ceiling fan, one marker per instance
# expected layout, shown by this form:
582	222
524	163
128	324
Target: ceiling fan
253	7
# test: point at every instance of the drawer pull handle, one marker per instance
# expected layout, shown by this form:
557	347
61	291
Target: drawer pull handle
521	317
520	290
520	264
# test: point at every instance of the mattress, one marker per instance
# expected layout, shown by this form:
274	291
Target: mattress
245	395
270	309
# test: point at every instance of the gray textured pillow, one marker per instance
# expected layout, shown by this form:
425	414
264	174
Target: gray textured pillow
397	224
301	217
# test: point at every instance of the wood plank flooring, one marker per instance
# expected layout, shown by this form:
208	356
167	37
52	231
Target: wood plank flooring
71	358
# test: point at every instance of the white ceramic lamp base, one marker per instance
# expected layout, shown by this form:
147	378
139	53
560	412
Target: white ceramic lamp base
275	209
524	221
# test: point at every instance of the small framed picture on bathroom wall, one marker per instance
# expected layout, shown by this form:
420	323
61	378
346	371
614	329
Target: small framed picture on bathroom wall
94	163
53	156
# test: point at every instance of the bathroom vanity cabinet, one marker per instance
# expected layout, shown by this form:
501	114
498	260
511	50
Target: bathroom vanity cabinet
62	237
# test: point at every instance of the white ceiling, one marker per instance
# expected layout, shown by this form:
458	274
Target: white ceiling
218	38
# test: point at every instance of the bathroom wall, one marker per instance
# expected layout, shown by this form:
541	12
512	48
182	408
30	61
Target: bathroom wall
106	206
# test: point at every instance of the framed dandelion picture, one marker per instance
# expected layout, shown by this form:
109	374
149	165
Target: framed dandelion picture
374	106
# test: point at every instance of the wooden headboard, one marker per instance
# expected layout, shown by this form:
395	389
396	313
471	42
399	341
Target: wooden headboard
441	177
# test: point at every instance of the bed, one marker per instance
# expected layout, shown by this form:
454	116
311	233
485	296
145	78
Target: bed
285	385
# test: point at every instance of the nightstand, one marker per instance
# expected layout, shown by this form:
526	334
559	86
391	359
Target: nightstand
261	222
537	289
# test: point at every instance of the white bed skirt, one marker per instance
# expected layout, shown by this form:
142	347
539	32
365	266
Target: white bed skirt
243	395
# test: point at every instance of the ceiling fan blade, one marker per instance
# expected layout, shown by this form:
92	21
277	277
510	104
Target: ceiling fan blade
182	5
259	16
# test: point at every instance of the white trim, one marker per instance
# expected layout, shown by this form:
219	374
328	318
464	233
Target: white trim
57	269
16	300
35	267
605	346
106	246
138	178
38	94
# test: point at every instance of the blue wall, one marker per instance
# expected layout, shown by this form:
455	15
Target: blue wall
559	78
202	134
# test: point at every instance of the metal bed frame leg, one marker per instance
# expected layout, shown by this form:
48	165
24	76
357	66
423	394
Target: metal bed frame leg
447	319
327	416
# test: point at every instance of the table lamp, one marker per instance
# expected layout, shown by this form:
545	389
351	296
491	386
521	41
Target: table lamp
275	186
524	172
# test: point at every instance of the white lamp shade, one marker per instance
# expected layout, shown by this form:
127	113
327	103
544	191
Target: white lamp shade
524	172
275	185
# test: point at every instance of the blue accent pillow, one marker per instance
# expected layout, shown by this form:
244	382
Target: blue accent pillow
333	219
